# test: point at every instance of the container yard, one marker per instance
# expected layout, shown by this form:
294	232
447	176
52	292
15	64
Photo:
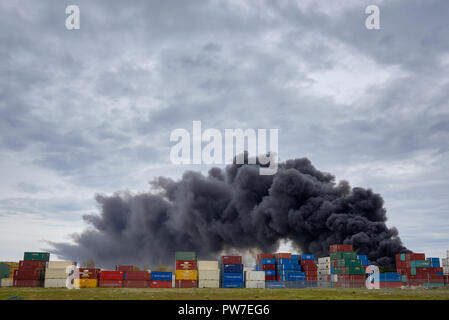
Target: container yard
343	269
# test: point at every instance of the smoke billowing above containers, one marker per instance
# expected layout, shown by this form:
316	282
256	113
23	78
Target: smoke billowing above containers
236	208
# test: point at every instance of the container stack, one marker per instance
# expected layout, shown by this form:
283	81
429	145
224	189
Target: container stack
309	267
111	279
346	266
232	272
161	279
208	274
31	270
390	280
255	279
364	260
86	278
267	263
445	264
324	269
186	274
134	278
418	271
6	278
55	274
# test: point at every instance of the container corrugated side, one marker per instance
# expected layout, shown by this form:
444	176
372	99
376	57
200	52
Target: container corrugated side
207	264
208	283
209	274
255	275
255	284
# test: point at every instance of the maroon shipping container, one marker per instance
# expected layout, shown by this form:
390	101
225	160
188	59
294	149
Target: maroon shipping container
270	278
186	265
283	255
124	268
309	267
89	273
111	283
265	256
28	283
341	248
111	275
32	264
311	278
28	274
186	284
136	284
311	273
446	279
160	284
403	264
390	284
415	256
231	259
268	266
137	275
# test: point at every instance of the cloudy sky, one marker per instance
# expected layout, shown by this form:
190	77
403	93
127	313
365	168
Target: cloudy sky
90	111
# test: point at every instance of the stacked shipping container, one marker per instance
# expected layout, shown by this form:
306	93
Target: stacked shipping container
55	274
186	274
232	272
86	278
266	263
347	267
208	274
111	279
133	278
161	279
31	270
418	271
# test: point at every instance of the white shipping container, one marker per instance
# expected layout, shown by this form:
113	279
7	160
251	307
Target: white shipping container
209	274
59	264
334	278
6	282
446	270
207	265
54	283
445	262
255	275
55	273
323	278
323	266
323	272
324	260
255	284
209	284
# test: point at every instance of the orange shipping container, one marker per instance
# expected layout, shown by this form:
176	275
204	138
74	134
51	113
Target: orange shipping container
186	274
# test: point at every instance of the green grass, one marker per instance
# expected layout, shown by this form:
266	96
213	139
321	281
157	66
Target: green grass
225	294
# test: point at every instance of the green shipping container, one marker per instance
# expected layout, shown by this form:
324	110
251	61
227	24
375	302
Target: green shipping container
349	255
413	271
436	284
185	255
402	256
355	270
349	263
336	255
404	278
421	263
37	256
4	270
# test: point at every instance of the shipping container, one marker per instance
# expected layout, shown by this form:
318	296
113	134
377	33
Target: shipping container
341	247
32	264
255	284
420	264
111	275
231	277
274	284
208	283
234	284
28	283
265	256
36	256
124	268
207	265
4	270
231	260
267	261
161	276
88	273
55	283
137	276
136	283
232	268
109	283
307	257
186	274
186	283
186	265
209	274
185	255
254	276
55	273
324	260
59	264
29	274
282	255
6	282
85	283
160	284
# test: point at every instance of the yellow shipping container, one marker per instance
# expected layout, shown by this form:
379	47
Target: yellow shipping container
85	283
186	275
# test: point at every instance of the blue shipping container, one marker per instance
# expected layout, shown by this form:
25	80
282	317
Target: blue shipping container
286	261
434	262
267	261
258	267
307	257
161	276
232	277
232	285
274	284
389	277
232	268
296	276
286	267
295	257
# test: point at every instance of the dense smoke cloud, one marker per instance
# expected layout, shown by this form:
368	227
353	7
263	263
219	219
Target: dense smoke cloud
235	208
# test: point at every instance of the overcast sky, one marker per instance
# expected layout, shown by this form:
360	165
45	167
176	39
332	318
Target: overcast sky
91	111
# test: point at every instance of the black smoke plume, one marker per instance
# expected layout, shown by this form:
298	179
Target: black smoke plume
239	209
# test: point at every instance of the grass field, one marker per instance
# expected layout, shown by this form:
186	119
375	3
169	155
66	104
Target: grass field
225	294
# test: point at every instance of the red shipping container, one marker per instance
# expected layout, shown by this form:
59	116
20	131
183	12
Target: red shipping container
311	273
111	275
88	273
268	266
283	255
186	284
28	283
137	275
311	278
308	262
160	284
403	264
446	279
28	274
111	283
32	264
265	256
231	259
415	256
136	284
270	278
309	267
341	248
186	264
124	268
